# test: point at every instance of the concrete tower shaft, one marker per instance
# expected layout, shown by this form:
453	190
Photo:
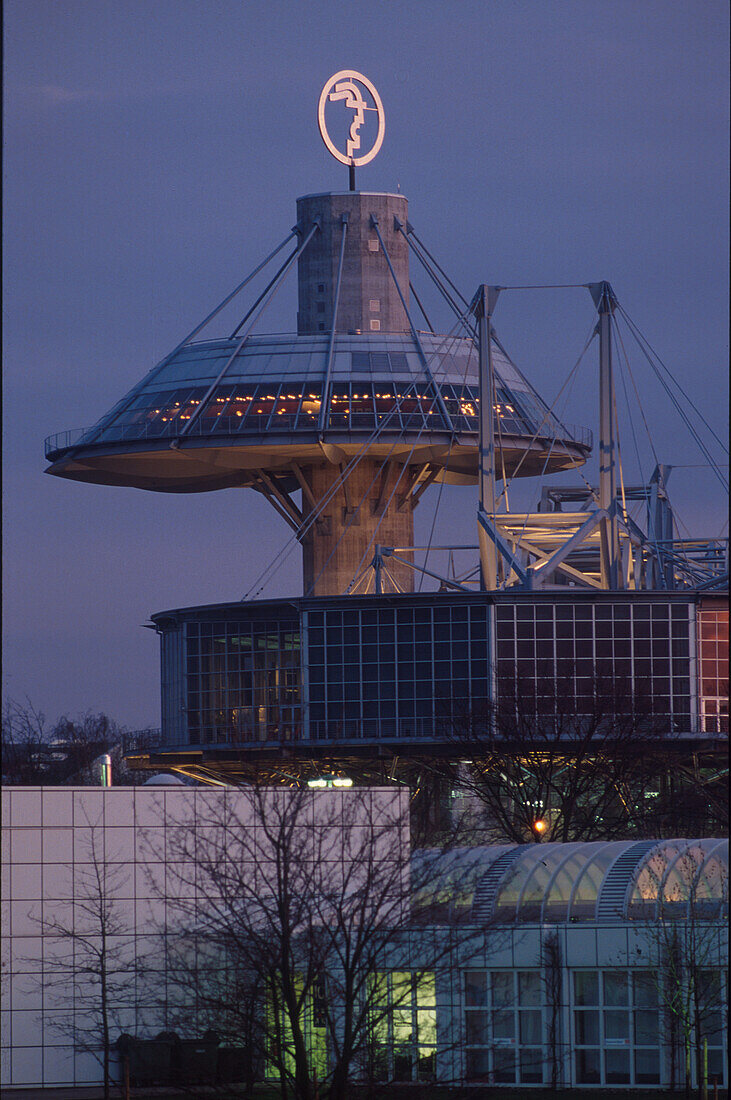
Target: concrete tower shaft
369	301
342	540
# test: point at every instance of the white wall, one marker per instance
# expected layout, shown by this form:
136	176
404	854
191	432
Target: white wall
48	836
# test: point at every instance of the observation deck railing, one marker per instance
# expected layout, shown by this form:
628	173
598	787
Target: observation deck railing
98	436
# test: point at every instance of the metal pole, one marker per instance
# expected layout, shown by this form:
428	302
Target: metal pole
482	306
351	177
605	302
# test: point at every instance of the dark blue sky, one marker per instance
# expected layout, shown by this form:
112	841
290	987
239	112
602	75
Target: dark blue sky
153	154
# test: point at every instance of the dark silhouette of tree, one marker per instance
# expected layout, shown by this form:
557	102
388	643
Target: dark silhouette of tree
307	911
544	765
94	967
685	931
38	753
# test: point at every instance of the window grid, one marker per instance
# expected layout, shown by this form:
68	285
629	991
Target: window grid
503	1026
643	645
713	624
403	1012
616	1027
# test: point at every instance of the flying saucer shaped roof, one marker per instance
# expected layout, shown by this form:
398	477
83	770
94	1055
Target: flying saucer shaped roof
213	412
594	881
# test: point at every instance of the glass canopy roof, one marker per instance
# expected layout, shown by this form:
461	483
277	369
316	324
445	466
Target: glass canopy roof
549	883
278	383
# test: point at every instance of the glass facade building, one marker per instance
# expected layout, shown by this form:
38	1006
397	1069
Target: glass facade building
399	669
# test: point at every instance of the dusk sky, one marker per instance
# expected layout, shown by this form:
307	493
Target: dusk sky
153	155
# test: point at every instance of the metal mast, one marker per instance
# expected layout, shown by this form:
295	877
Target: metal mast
605	302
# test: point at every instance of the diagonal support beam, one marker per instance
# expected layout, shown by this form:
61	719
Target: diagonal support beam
501	546
547	568
286	505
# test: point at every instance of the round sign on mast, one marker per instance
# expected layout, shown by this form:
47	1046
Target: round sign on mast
358	95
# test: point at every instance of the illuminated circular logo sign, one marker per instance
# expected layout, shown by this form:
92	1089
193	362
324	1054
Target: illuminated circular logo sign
357	95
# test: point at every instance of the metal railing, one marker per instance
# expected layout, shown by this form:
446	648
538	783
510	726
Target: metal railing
266	423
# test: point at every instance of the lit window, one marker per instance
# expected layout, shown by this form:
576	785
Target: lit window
375	304
373	245
375	326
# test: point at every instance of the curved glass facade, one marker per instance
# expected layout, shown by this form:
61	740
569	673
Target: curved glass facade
276	384
558	883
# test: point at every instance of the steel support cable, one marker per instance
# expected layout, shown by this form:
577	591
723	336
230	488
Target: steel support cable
701	445
214	385
126	402
438	284
261	298
652	533
439	269
430	326
404	467
414	333
327	497
540	481
643	340
441	487
447	297
546	415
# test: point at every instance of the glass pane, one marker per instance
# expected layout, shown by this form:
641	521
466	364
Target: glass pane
503	992
645	990
617	1067
530	1027
478	1065
647	1067
402	1025
710	1026
402	1070
426	1022
504	1064
616	1025
401	988
587	1067
476	1028
475	987
529	987
531	1066
426	993
586	987
587	1027
426	1064
616	991
503	1025
647	1028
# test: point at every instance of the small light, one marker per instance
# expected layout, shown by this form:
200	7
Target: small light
342	781
317	782
540	825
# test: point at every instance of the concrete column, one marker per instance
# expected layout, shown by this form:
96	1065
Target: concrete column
328	566
369	301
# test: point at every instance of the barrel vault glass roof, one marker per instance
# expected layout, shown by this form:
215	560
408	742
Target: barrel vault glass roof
597	881
276	383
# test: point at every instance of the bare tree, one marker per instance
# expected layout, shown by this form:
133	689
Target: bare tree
544	767
25	736
292	916
36	752
686	935
94	967
552	971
